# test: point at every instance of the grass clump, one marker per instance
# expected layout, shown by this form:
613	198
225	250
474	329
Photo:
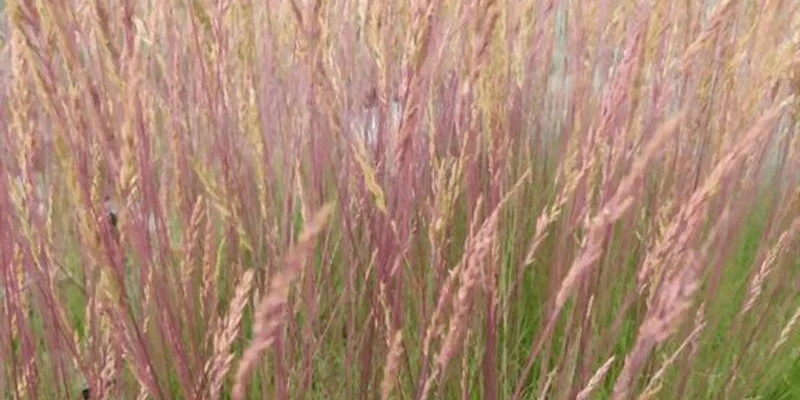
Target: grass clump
355	199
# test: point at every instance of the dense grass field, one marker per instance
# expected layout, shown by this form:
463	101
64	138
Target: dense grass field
359	199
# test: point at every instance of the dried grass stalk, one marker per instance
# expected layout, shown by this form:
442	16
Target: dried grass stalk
392	363
595	380
786	331
615	208
655	384
757	283
218	366
271	311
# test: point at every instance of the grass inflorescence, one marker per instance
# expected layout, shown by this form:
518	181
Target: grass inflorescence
335	199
